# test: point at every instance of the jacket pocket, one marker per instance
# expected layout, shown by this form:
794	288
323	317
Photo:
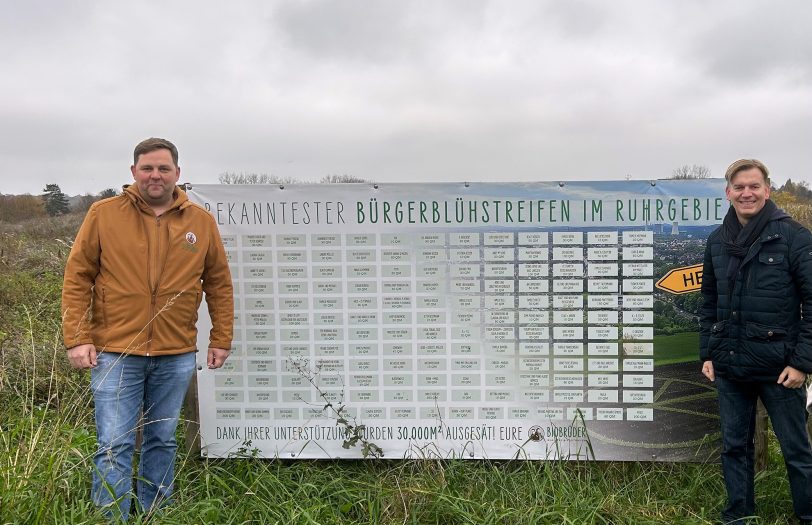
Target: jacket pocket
765	347
718	327
193	319
174	325
761	332
718	342
104	309
772	273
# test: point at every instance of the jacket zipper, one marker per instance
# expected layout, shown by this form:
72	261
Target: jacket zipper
161	265
159	269
154	295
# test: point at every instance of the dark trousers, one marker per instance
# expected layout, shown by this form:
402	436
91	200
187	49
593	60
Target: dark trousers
787	410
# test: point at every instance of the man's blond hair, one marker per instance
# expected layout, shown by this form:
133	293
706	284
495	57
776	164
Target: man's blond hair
746	164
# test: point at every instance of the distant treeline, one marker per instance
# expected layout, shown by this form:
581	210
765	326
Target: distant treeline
794	197
53	202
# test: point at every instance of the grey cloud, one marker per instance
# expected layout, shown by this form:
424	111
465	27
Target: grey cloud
756	41
353	30
578	18
421	91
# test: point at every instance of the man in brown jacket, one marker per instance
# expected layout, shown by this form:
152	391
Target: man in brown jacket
133	284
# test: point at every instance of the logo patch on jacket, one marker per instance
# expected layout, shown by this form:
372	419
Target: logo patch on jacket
191	239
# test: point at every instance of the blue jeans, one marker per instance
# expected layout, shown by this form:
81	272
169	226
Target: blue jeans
122	386
787	410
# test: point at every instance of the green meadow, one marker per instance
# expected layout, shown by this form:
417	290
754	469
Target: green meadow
677	348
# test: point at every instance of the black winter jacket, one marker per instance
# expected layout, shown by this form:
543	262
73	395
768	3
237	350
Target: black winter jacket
754	330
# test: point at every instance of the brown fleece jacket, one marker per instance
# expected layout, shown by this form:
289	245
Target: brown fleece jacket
134	281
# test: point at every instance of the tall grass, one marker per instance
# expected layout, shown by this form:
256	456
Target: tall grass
47	442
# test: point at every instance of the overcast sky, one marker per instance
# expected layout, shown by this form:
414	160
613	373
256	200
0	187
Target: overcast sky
403	90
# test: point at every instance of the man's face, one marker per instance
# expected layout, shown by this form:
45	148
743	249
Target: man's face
156	175
747	193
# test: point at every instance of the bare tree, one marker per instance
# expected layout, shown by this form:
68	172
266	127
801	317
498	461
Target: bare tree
107	193
249	178
84	202
264	178
697	171
335	179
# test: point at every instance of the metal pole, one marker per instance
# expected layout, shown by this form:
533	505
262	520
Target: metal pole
191	419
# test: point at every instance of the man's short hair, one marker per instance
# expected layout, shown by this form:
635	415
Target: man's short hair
151	144
746	164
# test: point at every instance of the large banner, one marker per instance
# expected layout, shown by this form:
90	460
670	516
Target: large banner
481	320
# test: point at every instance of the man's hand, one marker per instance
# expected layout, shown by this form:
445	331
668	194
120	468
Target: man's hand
217	356
82	356
792	378
707	370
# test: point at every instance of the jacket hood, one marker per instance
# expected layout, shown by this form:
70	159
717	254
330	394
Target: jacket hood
779	214
134	194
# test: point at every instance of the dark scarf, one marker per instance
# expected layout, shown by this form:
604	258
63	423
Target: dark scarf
738	239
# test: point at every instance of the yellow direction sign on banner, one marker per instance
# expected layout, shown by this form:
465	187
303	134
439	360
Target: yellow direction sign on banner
682	280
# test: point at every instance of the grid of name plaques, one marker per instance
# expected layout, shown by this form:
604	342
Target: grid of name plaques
475	325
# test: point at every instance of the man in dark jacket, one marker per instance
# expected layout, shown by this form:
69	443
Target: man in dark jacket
754	341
